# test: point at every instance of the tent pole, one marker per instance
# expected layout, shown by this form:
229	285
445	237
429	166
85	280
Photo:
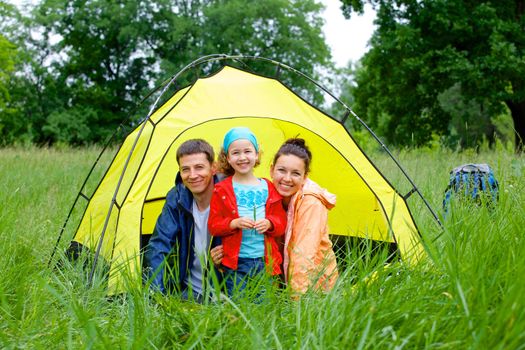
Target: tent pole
350	111
80	192
114	198
414	187
113	202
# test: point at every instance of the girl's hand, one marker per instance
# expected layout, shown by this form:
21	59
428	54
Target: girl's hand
241	223
263	225
217	253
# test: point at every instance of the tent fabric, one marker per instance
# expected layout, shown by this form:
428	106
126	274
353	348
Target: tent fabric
367	205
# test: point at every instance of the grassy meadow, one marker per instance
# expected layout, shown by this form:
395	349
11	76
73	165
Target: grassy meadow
469	295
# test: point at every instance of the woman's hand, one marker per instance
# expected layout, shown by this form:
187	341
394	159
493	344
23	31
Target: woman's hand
262	225
217	253
241	223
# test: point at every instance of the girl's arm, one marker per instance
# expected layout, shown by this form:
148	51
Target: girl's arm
275	213
277	217
309	225
220	215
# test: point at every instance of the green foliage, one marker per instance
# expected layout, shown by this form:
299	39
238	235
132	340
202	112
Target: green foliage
424	49
469	296
106	64
287	31
470	124
7	66
7	53
70	127
30	83
90	62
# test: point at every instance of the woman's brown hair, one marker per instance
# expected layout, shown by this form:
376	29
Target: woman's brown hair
295	146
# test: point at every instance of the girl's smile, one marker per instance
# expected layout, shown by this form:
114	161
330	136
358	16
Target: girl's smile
242	156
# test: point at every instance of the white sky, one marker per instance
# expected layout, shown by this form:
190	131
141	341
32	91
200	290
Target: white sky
348	39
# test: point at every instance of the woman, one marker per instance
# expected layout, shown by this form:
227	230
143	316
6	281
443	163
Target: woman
309	261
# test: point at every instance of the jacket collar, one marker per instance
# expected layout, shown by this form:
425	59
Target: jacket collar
313	189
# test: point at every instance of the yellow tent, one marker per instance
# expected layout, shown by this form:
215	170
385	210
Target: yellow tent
131	194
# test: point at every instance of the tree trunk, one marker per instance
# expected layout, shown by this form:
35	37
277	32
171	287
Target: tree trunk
517	110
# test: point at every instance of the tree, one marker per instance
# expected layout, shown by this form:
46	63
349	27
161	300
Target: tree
103	65
88	62
423	49
287	31
7	64
7	55
15	58
7	58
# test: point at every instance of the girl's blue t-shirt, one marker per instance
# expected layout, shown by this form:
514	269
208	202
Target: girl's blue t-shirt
251	203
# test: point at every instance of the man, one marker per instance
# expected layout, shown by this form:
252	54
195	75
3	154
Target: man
181	230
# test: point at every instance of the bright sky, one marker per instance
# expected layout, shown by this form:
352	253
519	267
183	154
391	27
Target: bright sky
347	38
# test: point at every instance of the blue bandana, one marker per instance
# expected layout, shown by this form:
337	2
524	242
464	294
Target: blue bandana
239	133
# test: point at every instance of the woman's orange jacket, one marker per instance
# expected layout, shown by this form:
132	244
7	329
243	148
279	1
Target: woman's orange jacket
309	260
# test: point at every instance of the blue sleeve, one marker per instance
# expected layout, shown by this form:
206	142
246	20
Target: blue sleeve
162	241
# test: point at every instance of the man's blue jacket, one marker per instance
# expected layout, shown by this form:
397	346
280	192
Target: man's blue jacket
173	237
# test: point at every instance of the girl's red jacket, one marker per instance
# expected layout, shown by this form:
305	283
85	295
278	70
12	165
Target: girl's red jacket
223	209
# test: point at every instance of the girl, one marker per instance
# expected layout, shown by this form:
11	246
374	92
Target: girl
246	212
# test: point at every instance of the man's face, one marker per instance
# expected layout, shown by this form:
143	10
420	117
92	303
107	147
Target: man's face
196	172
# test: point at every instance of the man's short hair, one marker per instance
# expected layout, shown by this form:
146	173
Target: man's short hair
195	146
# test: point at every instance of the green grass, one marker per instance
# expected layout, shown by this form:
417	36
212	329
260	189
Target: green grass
470	296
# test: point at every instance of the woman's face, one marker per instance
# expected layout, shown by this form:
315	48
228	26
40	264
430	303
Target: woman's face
288	175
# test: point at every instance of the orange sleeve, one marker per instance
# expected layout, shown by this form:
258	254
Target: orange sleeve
310	221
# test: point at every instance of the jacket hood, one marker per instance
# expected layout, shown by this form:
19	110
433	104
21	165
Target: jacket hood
313	189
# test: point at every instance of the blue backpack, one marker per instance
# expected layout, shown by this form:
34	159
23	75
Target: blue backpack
472	182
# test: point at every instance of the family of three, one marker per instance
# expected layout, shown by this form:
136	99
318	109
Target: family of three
246	225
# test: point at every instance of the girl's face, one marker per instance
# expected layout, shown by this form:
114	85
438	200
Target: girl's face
242	156
288	175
